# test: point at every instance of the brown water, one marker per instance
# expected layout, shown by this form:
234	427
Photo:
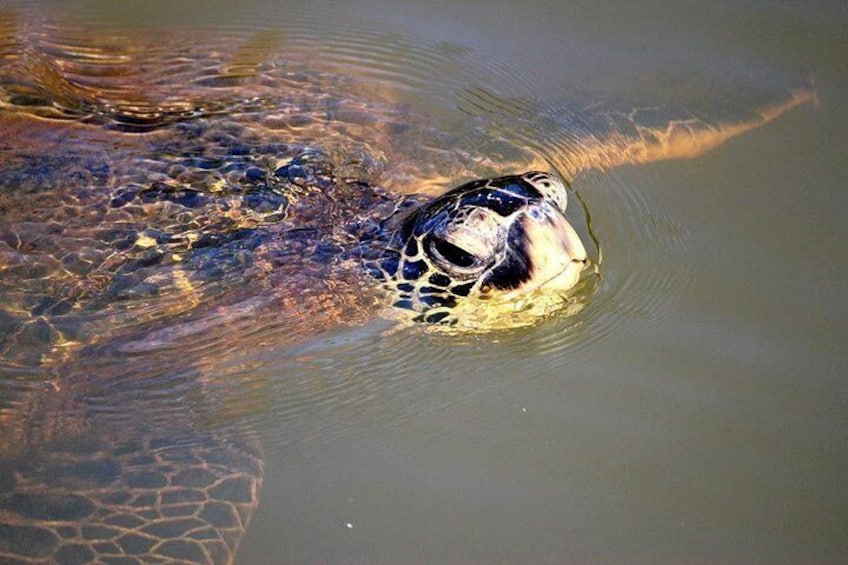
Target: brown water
693	412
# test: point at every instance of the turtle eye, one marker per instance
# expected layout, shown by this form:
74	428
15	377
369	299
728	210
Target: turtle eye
453	254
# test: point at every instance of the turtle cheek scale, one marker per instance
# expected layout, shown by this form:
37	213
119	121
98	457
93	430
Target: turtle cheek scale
413	270
515	269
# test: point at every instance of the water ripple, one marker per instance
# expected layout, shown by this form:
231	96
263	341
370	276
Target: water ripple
429	113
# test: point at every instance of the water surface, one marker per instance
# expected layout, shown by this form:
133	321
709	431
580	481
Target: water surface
693	411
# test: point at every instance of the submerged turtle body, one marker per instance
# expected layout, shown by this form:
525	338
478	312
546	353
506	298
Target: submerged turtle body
184	236
151	501
251	203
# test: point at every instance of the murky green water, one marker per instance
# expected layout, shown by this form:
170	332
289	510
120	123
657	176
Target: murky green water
693	411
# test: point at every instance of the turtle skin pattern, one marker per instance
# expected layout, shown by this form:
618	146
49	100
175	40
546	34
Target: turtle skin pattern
150	501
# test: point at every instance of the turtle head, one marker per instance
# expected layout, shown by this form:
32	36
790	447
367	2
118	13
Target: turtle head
496	240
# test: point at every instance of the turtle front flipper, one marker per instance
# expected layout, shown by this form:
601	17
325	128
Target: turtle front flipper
642	135
611	135
97	494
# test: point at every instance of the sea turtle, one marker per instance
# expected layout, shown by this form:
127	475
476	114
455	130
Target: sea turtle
138	223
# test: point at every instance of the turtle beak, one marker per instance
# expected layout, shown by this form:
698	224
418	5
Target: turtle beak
554	249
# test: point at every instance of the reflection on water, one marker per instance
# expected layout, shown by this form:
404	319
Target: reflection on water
178	328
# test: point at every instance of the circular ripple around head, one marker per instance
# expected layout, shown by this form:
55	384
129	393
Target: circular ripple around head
644	268
641	270
370	376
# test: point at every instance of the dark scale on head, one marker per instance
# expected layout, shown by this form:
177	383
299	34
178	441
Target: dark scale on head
515	268
439	280
462	289
411	248
408	226
413	270
404	304
517	186
439	318
375	272
501	202
389	265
